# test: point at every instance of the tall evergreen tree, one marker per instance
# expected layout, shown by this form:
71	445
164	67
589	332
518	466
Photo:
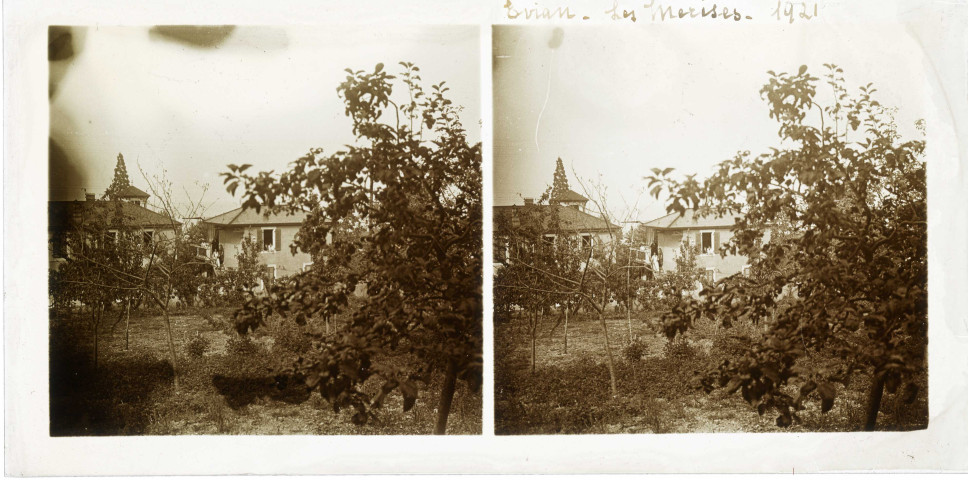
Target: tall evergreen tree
120	182
560	185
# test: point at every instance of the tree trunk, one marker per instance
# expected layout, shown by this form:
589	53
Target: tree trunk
171	350
94	322
874	402
628	313
533	332
446	398
628	296
566	330
608	355
127	322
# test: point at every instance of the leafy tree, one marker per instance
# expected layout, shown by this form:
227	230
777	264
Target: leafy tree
104	255
414	180
846	275
171	260
560	183
572	272
536	248
120	181
231	287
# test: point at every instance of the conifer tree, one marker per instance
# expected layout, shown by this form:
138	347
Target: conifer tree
120	182
560	185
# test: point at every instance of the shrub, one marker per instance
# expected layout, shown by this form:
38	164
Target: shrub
288	336
634	351
680	348
242	346
197	345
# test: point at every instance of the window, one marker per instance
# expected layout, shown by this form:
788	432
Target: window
268	239
586	240
148	236
549	239
706	242
307	266
710	274
112	236
500	250
272	271
746	270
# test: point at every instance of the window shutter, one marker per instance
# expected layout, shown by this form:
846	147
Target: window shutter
716	240
698	243
277	238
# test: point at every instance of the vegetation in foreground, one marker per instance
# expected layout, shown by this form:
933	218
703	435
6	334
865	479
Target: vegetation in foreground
659	390
228	384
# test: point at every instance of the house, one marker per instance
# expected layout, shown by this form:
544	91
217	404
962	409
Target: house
571	198
573	221
705	233
133	195
64	217
272	232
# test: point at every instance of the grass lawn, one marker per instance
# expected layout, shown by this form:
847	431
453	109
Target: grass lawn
569	392
226	385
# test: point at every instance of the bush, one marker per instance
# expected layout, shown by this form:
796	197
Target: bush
197	345
288	336
242	346
634	351
679	348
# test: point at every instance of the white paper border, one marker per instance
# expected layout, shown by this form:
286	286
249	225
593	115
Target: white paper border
939	26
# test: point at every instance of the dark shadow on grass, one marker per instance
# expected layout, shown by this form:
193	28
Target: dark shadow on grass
242	390
112	400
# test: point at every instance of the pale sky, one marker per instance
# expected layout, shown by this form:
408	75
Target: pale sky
621	101
264	96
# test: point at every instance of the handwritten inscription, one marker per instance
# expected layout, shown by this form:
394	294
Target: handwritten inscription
655	11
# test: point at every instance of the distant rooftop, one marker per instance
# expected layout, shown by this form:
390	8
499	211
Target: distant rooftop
689	219
570	219
132	191
246	217
572	196
60	213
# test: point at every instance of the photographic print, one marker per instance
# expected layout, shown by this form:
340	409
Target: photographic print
264	230
711	229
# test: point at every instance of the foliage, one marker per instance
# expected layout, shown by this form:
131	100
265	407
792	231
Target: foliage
120	181
849	196
195	272
232	287
559	185
664	291
634	351
104	261
197	345
415	182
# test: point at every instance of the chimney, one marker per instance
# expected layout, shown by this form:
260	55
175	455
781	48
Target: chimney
89	197
529	201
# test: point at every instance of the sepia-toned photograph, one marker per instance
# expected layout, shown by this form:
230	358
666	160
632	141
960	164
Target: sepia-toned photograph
265	230
709	230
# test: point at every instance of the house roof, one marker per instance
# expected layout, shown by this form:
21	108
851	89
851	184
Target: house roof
570	218
570	195
132	191
246	217
60	214
689	219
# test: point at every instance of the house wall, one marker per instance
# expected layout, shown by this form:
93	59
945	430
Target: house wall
285	262
669	241
54	263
